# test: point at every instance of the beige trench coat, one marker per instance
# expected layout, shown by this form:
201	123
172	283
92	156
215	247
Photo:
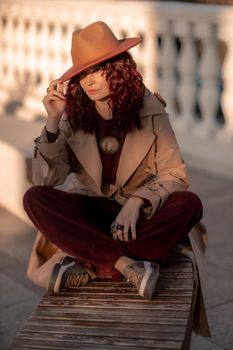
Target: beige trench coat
152	171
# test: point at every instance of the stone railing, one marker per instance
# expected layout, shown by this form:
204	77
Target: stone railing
186	55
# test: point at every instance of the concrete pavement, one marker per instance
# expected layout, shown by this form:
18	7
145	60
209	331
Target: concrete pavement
18	296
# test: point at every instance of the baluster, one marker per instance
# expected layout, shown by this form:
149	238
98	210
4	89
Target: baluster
19	59
167	60
44	45
208	95
43	66
149	58
3	92
9	54
27	39
56	68
36	63
226	133
142	53
23	52
31	56
186	65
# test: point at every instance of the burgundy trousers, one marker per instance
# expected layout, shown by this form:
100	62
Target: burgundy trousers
80	225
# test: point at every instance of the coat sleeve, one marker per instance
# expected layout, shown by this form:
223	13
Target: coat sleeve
170	170
51	163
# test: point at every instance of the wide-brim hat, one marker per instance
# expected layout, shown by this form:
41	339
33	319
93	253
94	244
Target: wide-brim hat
94	44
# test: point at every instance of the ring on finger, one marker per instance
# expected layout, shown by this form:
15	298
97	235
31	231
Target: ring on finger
120	227
115	237
114	227
119	237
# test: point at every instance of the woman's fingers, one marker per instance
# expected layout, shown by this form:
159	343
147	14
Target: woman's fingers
59	87
126	232
114	236
55	85
127	219
133	231
54	93
122	234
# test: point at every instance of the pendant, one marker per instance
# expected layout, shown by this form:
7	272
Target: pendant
109	145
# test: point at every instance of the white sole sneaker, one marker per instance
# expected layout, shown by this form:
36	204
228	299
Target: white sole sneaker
149	280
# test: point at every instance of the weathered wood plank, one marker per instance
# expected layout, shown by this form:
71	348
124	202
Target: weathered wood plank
67	345
76	342
124	304
106	314
82	324
60	333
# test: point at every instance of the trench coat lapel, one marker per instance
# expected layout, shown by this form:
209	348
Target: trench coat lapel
138	143
135	148
85	148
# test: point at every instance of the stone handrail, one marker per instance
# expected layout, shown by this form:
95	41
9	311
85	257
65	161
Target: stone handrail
186	55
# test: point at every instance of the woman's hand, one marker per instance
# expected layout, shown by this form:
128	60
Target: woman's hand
54	103
127	218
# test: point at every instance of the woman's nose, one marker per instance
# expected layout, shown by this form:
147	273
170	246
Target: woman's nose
90	79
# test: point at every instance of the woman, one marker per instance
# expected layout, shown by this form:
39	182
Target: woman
121	205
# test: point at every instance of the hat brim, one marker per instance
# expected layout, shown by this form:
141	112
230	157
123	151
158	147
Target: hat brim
125	44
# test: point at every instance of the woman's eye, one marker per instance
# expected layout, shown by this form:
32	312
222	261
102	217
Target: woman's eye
82	75
97	69
90	71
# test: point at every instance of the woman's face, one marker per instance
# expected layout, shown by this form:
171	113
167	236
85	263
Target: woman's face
94	83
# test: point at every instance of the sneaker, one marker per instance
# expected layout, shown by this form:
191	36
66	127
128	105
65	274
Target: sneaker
68	274
144	275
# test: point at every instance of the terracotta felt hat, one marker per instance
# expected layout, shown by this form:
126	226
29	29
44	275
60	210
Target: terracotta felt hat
94	44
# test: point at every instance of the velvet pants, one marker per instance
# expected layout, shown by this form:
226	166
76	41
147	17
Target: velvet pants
80	225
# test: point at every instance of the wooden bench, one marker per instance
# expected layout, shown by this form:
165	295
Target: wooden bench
111	315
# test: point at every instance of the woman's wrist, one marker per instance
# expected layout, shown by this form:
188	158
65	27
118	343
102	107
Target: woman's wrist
138	200
52	126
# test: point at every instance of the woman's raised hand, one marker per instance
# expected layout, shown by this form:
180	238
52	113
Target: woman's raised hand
54	103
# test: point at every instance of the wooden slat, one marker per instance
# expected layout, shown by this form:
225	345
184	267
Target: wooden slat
111	315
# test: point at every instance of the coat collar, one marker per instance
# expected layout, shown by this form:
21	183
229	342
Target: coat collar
151	105
137	145
86	149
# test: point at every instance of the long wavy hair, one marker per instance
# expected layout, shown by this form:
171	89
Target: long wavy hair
126	97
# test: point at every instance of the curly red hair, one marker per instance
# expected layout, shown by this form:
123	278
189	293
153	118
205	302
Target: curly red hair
126	97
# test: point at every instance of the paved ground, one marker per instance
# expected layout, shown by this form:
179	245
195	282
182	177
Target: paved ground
18	296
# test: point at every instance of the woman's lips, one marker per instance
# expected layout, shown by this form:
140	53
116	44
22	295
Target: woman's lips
92	91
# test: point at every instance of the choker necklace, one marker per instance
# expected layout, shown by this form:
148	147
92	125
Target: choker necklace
109	145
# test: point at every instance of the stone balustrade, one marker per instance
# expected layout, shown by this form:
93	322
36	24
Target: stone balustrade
186	55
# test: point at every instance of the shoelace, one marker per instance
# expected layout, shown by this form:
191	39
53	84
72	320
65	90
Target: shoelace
133	275
74	280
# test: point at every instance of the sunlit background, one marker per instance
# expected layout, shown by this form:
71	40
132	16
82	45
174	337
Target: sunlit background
186	55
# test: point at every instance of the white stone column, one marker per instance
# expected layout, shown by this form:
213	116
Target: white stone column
20	63
186	66
3	92
166	63
8	53
38	66
226	132
209	69
149	53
